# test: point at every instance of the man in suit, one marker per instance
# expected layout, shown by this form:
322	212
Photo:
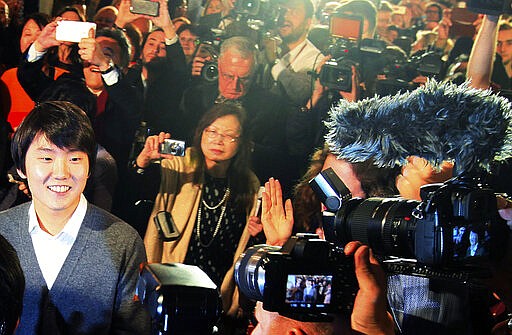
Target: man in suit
80	278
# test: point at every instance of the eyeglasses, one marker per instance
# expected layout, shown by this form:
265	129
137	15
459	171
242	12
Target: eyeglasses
212	134
229	77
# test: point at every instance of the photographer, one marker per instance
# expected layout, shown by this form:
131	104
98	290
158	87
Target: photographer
211	194
161	71
369	315
289	69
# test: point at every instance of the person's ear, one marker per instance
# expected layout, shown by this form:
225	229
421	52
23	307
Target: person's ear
21	174
296	331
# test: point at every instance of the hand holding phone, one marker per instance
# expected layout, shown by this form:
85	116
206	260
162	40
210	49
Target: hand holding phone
73	31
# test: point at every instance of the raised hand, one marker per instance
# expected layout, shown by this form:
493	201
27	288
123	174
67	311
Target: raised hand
46	38
90	51
277	220
151	151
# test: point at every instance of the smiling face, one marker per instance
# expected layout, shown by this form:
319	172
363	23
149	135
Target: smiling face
56	177
219	141
112	50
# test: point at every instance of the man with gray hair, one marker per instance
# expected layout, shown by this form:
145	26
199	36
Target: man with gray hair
266	115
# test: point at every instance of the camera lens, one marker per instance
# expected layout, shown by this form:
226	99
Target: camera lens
210	71
386	225
249	272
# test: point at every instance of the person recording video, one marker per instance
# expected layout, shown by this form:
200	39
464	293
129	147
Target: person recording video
415	313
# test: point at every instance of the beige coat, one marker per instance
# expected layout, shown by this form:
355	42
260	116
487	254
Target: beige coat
183	198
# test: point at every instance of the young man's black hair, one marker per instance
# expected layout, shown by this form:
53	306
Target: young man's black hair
67	126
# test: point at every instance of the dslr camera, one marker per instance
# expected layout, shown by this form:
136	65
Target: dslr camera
452	234
306	279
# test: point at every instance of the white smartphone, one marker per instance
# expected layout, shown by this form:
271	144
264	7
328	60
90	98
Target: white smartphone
73	31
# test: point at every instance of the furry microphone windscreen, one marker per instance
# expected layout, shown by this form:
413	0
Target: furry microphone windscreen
438	121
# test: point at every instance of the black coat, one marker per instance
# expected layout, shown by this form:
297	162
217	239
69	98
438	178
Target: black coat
165	86
266	124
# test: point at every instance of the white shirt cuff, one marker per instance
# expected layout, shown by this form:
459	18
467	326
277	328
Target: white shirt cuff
111	78
171	41
33	55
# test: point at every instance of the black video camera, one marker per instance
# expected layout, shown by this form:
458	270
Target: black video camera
305	279
348	50
399	71
418	238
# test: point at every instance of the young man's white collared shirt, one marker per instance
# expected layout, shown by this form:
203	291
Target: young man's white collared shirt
52	251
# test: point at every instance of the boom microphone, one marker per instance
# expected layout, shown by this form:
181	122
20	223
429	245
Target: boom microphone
438	121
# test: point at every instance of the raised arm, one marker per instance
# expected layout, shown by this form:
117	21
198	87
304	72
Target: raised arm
482	55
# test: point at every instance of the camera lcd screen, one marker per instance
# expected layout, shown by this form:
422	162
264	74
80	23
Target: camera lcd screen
346	27
470	242
307	291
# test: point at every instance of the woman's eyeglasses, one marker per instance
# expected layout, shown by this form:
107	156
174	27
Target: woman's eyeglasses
213	134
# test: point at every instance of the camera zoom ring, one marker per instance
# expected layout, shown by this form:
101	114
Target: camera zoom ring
360	218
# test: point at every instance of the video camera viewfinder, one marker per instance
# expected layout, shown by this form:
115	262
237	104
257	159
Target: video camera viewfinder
348	27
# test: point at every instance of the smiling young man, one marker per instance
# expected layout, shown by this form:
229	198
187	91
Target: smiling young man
80	262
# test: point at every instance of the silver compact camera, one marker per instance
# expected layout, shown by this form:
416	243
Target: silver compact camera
173	147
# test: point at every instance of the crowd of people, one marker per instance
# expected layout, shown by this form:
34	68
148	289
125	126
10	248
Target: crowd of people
250	93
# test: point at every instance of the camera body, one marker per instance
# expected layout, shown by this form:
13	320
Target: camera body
417	237
400	72
172	147
305	279
348	50
210	71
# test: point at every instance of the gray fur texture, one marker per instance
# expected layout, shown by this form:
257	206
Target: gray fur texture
439	121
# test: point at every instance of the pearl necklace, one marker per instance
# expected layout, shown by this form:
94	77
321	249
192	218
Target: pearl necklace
224	203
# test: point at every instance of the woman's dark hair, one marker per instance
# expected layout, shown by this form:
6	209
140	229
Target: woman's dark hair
41	19
73	8
375	182
12	288
62	123
239	171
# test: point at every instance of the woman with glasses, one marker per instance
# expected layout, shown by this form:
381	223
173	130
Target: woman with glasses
211	194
